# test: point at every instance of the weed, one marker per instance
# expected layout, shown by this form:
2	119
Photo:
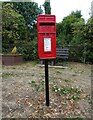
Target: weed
42	85
74	75
79	117
72	93
58	71
6	75
32	74
88	97
34	84
38	86
76	118
67	80
35	62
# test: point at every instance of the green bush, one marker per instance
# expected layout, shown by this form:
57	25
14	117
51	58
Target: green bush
29	50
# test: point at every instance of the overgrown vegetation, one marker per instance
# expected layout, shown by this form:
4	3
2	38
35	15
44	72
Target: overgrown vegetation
19	28
19	24
37	86
6	75
70	93
73	32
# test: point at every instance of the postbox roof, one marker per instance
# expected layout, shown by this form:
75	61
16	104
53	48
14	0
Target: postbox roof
46	18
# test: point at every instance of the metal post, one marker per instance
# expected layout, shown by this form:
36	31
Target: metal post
46	82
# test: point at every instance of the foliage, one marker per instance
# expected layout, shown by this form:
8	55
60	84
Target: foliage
29	10
77	35
89	40
19	29
6	75
47	7
77	14
13	25
38	87
72	93
29	50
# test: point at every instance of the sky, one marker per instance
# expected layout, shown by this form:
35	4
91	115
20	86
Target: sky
62	8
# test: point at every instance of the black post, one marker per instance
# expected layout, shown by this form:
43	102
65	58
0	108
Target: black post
46	82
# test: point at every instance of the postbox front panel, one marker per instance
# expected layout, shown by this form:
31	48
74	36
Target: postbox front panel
46	37
47	46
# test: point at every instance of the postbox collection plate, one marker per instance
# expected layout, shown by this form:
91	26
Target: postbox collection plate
47	44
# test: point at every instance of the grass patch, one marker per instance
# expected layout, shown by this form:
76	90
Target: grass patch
37	86
70	92
6	75
35	62
89	99
67	81
58	71
42	85
76	118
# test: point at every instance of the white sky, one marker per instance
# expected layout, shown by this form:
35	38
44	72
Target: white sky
62	8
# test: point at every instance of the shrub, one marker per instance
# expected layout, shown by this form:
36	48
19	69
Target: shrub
29	50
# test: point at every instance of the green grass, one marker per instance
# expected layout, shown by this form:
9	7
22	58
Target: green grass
67	80
76	118
69	92
6	75
72	93
58	71
37	86
35	62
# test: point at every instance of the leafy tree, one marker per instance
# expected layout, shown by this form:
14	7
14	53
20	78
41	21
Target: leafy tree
78	32
19	28
59	28
59	34
78	35
77	14
89	40
47	7
69	32
29	10
68	24
13	26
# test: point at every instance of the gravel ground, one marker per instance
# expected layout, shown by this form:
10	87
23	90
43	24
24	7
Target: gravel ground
23	94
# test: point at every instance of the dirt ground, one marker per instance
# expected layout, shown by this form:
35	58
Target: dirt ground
23	91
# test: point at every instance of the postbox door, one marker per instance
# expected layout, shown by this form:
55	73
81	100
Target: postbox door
47	46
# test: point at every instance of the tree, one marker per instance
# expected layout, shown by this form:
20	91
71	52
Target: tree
47	7
89	40
70	32
59	34
68	25
29	10
78	32
13	26
73	31
77	14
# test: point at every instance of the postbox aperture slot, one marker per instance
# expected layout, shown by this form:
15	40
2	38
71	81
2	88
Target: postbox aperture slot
47	24
47	34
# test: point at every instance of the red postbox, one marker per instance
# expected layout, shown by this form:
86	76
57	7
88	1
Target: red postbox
46	28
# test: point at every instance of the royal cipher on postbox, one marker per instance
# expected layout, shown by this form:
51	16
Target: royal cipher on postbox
46	28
